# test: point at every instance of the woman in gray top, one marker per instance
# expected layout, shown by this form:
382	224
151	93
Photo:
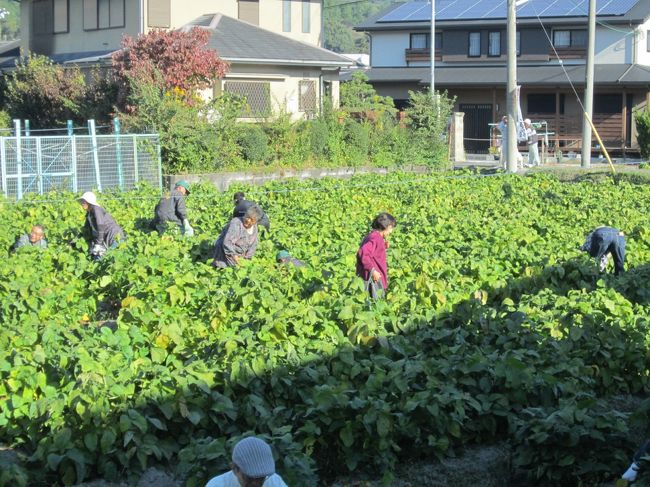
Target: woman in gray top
104	231
238	239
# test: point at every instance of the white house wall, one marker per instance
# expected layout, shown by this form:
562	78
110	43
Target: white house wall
614	46
388	49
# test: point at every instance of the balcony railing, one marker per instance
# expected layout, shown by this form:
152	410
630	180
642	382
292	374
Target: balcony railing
569	52
422	55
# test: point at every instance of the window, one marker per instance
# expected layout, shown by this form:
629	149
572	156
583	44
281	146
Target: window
474	44
286	15
541	103
608	104
257	95
647	40
420	41
570	38
50	16
438	40
307	101
249	11
107	14
494	44
518	43
306	16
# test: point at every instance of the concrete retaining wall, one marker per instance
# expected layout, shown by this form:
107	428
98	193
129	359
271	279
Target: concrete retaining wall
223	181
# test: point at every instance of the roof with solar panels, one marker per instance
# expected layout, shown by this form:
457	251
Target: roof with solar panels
469	12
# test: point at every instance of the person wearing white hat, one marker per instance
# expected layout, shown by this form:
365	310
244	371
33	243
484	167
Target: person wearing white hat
104	232
532	141
252	466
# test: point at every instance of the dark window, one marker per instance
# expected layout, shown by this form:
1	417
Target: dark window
474	48
494	44
104	14
420	41
42	17
570	38
609	103
439	40
518	43
541	103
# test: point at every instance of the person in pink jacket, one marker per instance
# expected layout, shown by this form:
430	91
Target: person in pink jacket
371	257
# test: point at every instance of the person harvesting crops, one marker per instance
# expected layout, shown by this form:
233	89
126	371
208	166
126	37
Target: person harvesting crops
171	209
632	472
104	232
242	204
285	258
252	466
371	257
238	239
36	238
603	242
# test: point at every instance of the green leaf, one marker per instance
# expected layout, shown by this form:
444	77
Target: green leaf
346	435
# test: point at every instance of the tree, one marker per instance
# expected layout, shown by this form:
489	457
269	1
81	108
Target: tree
358	95
183	60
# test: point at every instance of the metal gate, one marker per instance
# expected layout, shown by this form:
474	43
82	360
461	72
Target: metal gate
78	163
476	132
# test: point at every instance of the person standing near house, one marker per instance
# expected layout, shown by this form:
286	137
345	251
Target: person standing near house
36	238
242	205
171	209
532	140
371	256
104	232
603	242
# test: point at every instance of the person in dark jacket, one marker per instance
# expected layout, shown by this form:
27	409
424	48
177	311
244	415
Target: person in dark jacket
171	208
242	204
605	241
36	238
371	257
238	239
104	232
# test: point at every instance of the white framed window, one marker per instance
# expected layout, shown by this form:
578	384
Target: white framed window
474	48
307	101
61	16
306	16
647	40
420	41
494	44
286	15
50	17
570	38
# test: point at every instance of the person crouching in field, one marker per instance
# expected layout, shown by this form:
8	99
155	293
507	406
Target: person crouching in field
171	209
104	232
371	257
605	241
238	239
36	238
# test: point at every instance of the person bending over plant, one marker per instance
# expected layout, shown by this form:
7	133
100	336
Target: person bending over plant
252	466
242	204
603	242
171	209
104	232
238	239
371	257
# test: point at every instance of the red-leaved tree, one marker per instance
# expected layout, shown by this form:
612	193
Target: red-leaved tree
182	59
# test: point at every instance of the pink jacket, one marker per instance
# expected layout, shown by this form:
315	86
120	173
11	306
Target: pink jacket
372	255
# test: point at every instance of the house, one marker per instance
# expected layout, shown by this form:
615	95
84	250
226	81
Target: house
272	45
470	62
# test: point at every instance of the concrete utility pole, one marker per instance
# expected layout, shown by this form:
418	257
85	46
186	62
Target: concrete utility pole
589	88
432	45
511	104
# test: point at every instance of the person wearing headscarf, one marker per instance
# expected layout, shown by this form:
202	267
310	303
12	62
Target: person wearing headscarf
252	466
104	232
238	239
171	209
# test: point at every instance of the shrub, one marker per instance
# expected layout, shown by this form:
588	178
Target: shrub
357	139
254	143
643	132
318	137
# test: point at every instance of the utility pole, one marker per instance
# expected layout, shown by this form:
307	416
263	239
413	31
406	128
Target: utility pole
511	105
589	88
432	44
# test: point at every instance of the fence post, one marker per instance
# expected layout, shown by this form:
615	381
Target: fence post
73	140
118	138
26	128
136	175
39	164
93	137
160	184
19	162
3	166
70	128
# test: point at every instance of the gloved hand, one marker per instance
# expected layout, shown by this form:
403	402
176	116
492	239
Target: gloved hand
631	473
97	250
188	231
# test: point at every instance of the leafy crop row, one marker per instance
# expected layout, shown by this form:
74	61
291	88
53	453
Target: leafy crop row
495	327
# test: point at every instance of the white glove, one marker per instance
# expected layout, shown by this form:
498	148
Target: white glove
98	249
188	231
631	473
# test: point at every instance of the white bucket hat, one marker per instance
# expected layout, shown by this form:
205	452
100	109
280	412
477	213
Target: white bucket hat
90	198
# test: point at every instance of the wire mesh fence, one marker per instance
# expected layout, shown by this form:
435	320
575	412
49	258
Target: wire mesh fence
78	163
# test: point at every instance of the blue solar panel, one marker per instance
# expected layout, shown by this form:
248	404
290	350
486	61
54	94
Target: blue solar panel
420	10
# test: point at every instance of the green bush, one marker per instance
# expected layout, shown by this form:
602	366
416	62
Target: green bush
318	137
643	131
357	140
254	143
